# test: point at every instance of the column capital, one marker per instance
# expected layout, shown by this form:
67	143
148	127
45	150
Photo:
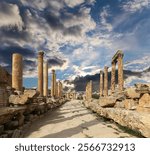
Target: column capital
41	53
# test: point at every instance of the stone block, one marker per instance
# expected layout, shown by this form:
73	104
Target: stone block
142	88
145	101
31	93
130	104
119	105
19	99
131	93
107	101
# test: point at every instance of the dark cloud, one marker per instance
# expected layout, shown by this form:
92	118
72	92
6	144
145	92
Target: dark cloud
7	52
54	61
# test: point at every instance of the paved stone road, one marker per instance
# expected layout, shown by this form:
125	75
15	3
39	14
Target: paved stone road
74	120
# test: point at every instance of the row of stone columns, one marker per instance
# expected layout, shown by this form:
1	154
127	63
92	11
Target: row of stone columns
118	57
17	76
89	90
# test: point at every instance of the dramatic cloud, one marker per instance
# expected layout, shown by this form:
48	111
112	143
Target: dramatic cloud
79	37
10	16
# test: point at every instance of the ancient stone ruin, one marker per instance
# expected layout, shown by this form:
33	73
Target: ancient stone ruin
129	107
19	106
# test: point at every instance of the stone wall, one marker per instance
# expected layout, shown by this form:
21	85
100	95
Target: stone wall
130	108
23	110
5	80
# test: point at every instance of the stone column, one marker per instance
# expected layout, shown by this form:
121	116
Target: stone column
40	73
56	90
46	79
120	72
59	89
105	81
90	89
53	84
113	78
17	71
101	83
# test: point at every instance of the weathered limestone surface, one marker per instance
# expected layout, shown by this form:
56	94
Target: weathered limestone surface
107	101
19	99
13	120
131	93
113	78
31	93
17	72
45	79
101	83
120	72
105	81
145	101
142	88
130	104
53	84
40	72
134	120
89	90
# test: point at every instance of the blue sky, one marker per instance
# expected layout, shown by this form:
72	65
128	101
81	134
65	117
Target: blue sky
79	37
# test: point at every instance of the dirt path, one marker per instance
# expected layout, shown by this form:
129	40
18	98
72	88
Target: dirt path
74	120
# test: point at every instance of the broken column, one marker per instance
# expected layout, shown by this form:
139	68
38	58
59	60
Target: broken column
105	81
120	72
113	79
89	90
17	71
101	83
40	72
46	79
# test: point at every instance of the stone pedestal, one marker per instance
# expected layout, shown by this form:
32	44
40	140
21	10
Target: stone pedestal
40	73
46	79
101	83
17	71
106	81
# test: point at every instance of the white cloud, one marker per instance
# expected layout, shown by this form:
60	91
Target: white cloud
103	19
10	16
136	5
138	65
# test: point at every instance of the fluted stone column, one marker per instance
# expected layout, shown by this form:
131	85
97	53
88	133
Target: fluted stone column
101	83
46	79
120	72
105	81
40	72
113	78
17	71
53	84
